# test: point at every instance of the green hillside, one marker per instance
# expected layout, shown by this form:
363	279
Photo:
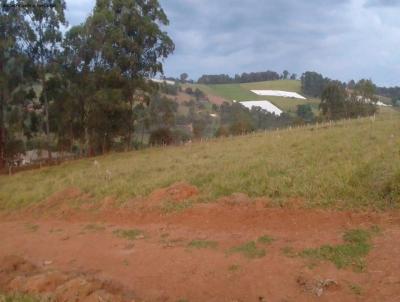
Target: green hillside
352	164
242	92
286	85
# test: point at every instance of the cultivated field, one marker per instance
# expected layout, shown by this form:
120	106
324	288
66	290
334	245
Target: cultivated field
305	214
242	92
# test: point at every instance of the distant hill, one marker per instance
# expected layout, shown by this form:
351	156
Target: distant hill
242	92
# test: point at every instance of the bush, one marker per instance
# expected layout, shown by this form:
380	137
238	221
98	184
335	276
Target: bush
222	131
161	136
180	135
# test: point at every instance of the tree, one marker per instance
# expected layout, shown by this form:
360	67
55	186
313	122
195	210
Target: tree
395	102
293	76
78	58
130	46
162	112
15	69
338	103
45	23
362	100
366	90
184	76
305	112
351	84
313	83
333	102
285	74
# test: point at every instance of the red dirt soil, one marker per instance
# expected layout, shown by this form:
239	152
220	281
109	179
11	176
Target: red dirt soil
77	251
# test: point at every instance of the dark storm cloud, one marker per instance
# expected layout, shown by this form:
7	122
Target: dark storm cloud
343	39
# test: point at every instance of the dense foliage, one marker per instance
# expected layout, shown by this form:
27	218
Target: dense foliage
243	78
81	87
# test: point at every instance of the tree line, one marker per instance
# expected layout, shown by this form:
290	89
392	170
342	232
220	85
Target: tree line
245	77
84	86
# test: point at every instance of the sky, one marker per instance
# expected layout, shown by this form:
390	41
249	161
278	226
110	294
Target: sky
342	39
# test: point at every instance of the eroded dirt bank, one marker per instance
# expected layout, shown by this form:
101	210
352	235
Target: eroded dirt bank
140	253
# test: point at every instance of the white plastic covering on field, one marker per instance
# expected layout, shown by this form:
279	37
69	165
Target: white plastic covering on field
281	93
266	105
163	81
379	103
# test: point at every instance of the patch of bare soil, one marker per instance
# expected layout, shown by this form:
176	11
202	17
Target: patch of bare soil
217	100
187	255
22	276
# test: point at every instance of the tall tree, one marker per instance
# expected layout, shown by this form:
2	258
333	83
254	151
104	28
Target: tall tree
285	74
333	102
14	34
313	83
130	47
45	22
183	77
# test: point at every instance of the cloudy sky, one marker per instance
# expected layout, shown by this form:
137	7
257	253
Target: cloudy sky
343	39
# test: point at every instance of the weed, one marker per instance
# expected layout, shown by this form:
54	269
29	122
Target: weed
56	231
352	253
234	268
288	251
132	234
94	227
375	230
265	239
203	244
249	249
32	227
173	207
17	298
356	289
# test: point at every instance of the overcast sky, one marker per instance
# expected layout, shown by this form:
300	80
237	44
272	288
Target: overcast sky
342	39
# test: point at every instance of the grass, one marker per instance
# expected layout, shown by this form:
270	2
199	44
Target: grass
356	289
32	227
234	268
288	251
265	239
242	92
285	85
249	250
203	244
17	298
132	234
353	164
176	207
356	246
94	227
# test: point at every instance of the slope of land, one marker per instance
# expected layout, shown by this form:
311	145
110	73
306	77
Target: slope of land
241	92
252	218
350	164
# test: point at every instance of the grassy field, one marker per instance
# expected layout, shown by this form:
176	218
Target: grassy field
241	92
285	85
352	164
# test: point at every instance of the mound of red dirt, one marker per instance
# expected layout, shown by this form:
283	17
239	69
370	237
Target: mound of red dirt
19	275
60	203
177	192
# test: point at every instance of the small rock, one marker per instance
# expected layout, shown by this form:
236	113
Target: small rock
65	238
47	262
